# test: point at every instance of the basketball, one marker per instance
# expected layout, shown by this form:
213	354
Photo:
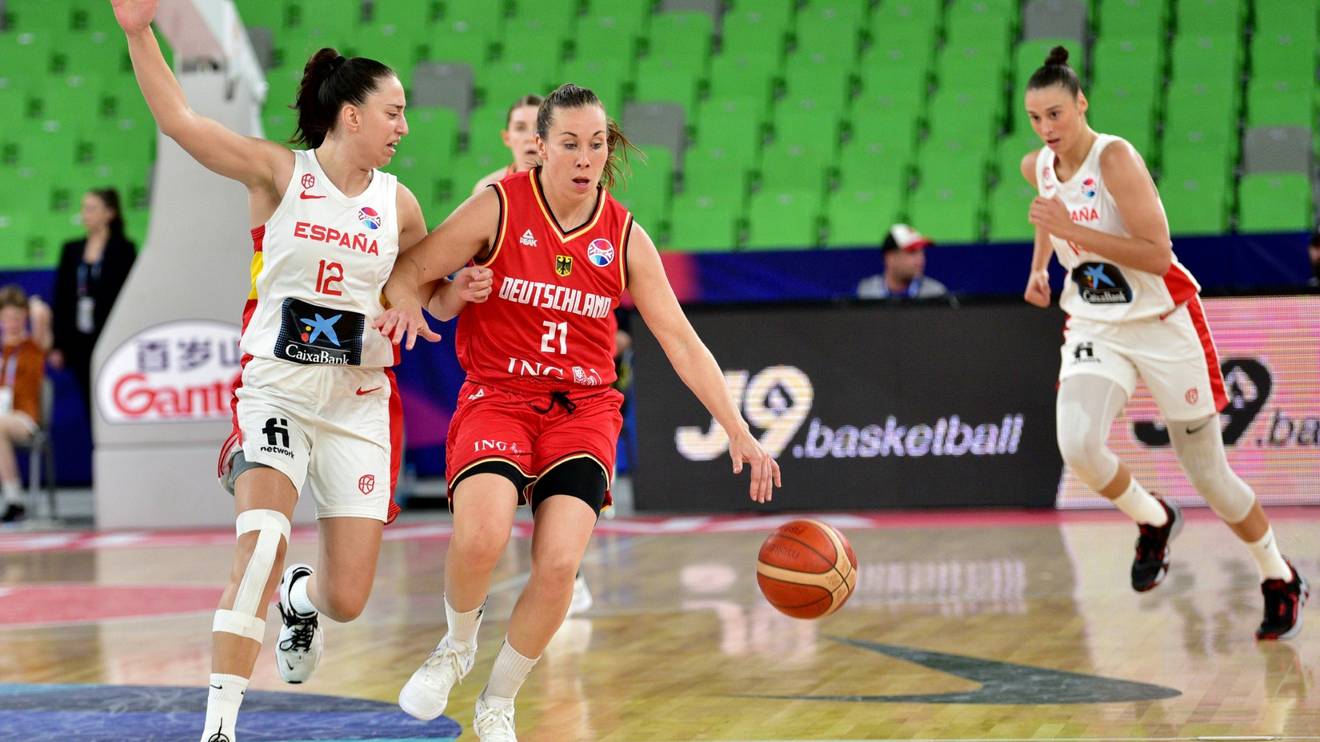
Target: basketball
806	569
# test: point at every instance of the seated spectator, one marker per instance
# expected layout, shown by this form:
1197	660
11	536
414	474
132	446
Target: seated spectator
905	268
22	372
91	272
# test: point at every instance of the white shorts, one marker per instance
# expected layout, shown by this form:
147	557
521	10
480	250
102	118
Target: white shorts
337	428
1174	354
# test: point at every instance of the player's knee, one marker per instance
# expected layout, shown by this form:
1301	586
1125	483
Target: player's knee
244	551
342	605
479	545
1086	454
556	566
1203	459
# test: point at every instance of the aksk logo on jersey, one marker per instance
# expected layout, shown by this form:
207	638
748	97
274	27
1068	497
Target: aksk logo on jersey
563	264
1088	187
600	252
369	217
528	239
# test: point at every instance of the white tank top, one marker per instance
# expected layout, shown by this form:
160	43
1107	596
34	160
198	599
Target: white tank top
318	267
1097	288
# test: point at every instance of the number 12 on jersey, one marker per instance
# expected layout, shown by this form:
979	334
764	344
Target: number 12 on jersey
554	329
327	275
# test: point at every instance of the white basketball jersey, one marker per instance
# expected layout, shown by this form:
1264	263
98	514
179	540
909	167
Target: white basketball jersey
318	267
1096	288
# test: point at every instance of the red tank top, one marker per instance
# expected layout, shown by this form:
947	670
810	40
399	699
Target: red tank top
549	324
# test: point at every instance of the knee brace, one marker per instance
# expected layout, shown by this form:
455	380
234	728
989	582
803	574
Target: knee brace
1199	445
245	617
1085	411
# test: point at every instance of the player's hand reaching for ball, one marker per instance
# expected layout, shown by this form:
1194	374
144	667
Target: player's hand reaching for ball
474	284
134	15
405	324
1038	289
745	449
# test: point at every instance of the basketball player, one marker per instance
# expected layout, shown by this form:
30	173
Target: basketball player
537	421
316	400
1134	313
519	135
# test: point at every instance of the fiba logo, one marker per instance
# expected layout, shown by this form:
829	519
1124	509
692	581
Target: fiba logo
600	252
308	181
1088	187
367	483
369	217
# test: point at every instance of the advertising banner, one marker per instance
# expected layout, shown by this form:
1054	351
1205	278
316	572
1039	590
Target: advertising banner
1269	352
865	407
173	372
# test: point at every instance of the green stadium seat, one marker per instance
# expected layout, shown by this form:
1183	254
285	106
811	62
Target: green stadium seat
717	172
1205	108
469	167
487	15
485	125
734	124
544	50
1280	103
1195	205
752	30
542	18
95	54
981	22
860	216
827	89
1137	125
738	74
1275	202
824	28
1009	201
49	17
795	165
647	189
1133	20
969	115
904	89
947	212
1210	163
1206	58
507	81
852	11
868	166
807	120
972	67
434	138
906	14
459	41
681	36
400	47
783	219
332	24
1127	62
278	124
664	79
908	58
891	131
1205	17
626	16
602	75
1283	56
404	14
703	222
1287	17
272	14
27	54
611	44
1121	108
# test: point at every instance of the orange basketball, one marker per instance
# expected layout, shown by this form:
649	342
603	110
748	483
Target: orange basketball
806	569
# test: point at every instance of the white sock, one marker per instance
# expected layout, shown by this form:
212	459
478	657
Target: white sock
1141	505
1268	559
13	492
509	672
299	601
222	703
463	626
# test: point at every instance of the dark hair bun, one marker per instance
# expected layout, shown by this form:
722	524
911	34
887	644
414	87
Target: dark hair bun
1058	56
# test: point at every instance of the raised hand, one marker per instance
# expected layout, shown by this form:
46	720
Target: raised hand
134	15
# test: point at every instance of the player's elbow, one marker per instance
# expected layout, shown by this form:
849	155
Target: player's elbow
1162	258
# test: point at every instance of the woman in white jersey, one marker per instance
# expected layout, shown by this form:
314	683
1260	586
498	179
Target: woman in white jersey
316	400
1133	313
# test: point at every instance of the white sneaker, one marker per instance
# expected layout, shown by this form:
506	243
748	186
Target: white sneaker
582	600
298	651
425	694
494	719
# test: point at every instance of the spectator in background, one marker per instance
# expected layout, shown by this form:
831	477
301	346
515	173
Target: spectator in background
905	269
22	371
91	272
1314	251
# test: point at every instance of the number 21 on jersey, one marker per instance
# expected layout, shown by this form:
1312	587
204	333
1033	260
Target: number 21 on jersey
553	330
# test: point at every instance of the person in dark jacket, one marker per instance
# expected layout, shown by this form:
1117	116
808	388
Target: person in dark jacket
91	272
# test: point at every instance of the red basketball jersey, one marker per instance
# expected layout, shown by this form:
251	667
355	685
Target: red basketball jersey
549	323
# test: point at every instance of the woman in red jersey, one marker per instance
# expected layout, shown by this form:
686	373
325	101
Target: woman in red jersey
318	406
537	421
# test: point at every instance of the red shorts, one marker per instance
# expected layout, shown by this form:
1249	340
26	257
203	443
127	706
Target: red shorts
532	431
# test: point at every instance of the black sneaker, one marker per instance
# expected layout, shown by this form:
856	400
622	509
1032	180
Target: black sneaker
14	511
1152	561
1283	606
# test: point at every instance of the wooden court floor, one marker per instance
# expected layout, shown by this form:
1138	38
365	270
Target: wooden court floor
964	626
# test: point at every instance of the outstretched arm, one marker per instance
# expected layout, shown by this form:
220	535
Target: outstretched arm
693	361
249	160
